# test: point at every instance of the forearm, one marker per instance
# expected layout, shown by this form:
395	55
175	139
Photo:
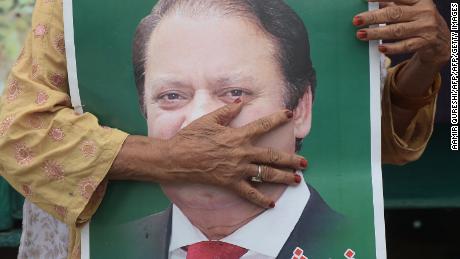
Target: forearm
415	80
141	159
417	73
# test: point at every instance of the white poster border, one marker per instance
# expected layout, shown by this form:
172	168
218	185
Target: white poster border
74	94
375	71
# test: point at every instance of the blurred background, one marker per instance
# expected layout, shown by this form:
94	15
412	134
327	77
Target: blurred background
15	20
422	199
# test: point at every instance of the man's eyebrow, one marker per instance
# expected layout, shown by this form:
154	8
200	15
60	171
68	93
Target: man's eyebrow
233	79
220	81
166	81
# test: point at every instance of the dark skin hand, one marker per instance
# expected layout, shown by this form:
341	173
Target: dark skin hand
208	151
418	28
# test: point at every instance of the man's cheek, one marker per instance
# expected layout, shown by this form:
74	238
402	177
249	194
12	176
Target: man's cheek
251	113
164	128
282	138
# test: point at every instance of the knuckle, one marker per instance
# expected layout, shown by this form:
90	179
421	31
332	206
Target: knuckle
252	194
398	31
273	156
430	11
265	124
249	154
235	139
430	37
409	46
225	180
267	173
430	25
226	109
371	18
433	21
438	47
246	171
245	154
394	14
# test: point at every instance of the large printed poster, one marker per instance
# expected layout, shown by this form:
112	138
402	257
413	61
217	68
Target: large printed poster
152	67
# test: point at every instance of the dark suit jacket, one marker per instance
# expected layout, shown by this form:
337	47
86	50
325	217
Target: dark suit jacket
316	230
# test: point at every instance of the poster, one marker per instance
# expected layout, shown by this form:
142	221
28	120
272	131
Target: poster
340	201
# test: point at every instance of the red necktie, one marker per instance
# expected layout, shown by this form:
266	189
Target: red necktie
214	250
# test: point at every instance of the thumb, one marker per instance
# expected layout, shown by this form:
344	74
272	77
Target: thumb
226	114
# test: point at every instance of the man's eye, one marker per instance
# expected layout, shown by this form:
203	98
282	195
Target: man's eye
231	94
236	92
171	100
171	97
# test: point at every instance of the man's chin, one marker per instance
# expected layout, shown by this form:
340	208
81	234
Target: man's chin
202	197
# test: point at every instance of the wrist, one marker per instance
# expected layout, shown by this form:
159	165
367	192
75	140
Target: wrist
415	77
411	88
140	159
158	160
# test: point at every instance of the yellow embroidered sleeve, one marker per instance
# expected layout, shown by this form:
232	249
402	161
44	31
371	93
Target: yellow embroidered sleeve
410	145
51	155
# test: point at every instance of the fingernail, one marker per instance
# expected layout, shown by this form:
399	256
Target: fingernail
272	204
382	49
303	163
362	34
237	100
289	114
358	21
297	178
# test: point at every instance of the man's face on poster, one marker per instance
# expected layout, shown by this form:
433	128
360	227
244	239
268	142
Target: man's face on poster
195	65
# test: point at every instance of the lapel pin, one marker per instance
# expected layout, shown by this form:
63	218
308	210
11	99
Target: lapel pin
349	254
298	254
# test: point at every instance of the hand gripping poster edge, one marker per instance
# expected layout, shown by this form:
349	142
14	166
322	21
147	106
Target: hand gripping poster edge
376	158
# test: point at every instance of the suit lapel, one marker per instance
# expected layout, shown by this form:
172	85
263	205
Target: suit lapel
314	228
150	236
161	233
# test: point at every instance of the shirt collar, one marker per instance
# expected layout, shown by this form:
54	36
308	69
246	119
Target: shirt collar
281	221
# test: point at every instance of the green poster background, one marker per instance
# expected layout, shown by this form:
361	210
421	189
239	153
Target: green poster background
338	146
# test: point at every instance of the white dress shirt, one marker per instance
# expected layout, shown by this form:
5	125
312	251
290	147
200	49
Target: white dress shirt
264	236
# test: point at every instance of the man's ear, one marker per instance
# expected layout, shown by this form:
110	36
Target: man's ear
302	115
